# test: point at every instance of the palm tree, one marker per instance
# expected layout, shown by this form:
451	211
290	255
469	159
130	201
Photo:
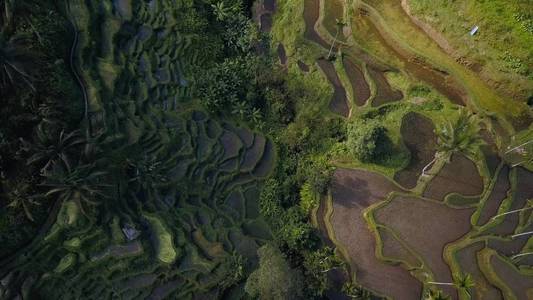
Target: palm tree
256	116
222	12
460	136
10	9
19	197
54	151
340	25
82	185
15	61
240	109
463	282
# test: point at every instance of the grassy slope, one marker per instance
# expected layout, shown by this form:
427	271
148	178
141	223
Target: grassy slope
504	44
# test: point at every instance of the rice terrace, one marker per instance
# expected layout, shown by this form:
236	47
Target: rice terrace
266	149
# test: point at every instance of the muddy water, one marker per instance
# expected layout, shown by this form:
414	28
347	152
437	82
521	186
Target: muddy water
361	90
338	103
416	66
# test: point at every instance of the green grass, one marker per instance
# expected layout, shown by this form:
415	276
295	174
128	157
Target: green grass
504	43
164	246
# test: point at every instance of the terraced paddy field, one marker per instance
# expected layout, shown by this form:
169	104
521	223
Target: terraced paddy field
191	210
403	231
435	196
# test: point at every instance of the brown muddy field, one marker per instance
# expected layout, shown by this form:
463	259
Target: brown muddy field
361	90
321	223
518	283
467	259
459	176
507	246
523	192
392	248
498	194
419	138
338	103
427	227
303	66
384	92
352	192
311	13
490	151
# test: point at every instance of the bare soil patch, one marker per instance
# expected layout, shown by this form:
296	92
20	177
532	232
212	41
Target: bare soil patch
352	192
419	138
459	176
338	103
361	90
427	227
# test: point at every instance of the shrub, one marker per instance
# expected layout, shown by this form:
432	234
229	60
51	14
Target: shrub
308	198
368	140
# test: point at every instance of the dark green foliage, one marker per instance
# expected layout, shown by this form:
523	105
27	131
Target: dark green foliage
357	292
15	62
296	232
368	140
317	173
